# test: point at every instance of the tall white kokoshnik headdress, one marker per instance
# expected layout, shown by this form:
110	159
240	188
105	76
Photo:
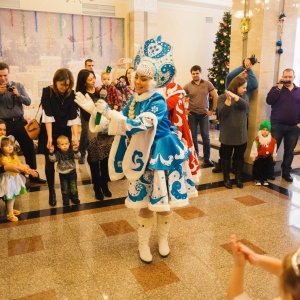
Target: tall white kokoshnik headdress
155	60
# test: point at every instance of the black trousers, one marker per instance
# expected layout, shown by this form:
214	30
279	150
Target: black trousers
17	129
261	168
226	151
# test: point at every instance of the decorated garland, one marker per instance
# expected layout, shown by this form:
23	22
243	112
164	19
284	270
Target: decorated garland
73	38
92	32
11	17
36	22
49	31
24	29
60	25
1	52
280	24
82	28
100	30
123	33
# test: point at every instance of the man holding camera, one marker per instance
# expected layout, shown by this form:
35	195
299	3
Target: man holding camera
12	97
285	118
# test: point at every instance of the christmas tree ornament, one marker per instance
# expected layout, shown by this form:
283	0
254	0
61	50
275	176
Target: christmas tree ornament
279	43
221	81
280	51
245	26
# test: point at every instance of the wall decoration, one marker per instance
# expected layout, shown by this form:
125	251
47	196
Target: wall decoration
36	44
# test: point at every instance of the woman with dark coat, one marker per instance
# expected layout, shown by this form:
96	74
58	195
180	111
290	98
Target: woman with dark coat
233	106
59	117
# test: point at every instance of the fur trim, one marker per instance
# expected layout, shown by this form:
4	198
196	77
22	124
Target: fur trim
264	140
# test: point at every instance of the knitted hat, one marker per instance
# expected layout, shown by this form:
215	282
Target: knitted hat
173	89
155	60
265	124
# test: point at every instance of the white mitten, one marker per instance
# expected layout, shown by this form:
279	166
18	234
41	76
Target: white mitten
103	109
85	102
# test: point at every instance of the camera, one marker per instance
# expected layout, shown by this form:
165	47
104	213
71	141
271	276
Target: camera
284	81
9	87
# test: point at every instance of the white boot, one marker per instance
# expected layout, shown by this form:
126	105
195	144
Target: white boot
163	228
144	232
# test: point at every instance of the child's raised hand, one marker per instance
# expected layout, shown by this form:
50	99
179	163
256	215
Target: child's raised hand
75	147
274	158
239	256
251	256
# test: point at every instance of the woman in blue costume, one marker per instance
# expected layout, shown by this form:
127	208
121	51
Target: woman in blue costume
155	160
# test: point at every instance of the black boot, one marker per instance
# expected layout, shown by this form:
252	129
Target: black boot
105	190
226	173
218	167
239	164
104	177
50	180
96	179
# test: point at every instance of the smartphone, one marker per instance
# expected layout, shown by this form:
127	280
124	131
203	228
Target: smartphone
127	61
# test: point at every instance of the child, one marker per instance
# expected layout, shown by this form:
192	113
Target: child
288	271
66	168
263	153
12	184
112	97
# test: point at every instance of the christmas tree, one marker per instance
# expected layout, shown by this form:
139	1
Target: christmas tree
220	62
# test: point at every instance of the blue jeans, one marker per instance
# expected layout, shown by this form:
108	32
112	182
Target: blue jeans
203	121
290	135
68	183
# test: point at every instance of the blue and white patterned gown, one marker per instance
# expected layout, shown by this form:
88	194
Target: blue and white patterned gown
156	161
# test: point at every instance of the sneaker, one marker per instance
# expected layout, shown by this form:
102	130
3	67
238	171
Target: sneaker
257	182
265	183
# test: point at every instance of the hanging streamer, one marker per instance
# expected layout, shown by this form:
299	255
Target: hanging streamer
73	38
82	27
24	30
60	25
11	17
123	33
49	30
110	28
100	29
1	53
92	32
36	22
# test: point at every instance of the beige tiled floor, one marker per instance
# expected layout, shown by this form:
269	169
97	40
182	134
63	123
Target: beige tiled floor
91	253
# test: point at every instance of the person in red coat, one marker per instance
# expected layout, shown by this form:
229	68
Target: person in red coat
175	102
263	153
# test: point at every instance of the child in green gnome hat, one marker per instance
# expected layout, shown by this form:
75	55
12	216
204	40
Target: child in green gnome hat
263	153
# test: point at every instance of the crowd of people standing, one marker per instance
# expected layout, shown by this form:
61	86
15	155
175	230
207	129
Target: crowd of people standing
60	117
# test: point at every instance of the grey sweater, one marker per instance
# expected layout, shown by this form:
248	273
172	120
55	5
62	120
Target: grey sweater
233	120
